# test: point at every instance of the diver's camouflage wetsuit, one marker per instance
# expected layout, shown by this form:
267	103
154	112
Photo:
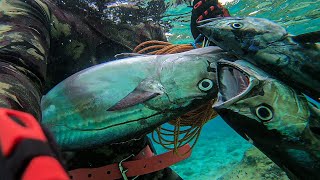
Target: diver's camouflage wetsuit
42	42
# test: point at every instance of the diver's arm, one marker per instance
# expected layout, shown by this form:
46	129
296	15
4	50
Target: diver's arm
204	10
24	46
27	150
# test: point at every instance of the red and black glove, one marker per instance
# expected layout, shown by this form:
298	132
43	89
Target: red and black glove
205	9
27	151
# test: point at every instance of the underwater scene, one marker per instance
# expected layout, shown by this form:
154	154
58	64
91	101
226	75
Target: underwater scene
160	89
221	153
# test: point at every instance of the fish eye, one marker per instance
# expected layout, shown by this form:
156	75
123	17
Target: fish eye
264	113
236	25
205	84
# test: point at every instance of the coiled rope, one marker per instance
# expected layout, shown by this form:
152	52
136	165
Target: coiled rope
161	47
186	128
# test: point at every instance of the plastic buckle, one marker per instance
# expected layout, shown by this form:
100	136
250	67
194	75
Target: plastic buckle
123	171
16	126
194	44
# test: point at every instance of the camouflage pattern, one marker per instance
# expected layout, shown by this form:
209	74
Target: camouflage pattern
42	42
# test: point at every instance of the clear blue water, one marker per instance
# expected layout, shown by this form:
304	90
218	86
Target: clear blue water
219	147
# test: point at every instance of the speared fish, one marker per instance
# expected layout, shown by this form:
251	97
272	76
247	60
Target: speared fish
276	118
114	101
294	60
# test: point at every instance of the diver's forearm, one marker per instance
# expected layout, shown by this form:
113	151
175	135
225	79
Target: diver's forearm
19	92
24	48
25	34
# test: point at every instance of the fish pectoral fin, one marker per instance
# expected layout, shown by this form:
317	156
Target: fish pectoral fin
135	97
311	37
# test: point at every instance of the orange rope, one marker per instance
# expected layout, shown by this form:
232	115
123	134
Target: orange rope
166	49
161	47
148	43
180	48
151	47
194	119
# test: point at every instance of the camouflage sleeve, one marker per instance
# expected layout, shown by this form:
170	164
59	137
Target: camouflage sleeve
24	46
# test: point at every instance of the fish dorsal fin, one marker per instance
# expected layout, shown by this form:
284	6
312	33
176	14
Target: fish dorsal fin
311	37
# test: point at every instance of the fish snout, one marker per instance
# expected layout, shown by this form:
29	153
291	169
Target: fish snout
206	30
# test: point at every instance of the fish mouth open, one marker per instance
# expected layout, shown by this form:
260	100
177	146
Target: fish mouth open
233	82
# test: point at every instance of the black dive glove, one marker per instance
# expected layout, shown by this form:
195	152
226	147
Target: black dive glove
205	9
27	151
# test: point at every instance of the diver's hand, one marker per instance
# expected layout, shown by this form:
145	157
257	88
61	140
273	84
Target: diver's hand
27	151
205	9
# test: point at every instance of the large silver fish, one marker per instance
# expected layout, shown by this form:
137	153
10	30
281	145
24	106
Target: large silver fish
292	59
122	99
274	117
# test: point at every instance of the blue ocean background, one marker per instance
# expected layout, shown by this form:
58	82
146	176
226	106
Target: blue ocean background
220	152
